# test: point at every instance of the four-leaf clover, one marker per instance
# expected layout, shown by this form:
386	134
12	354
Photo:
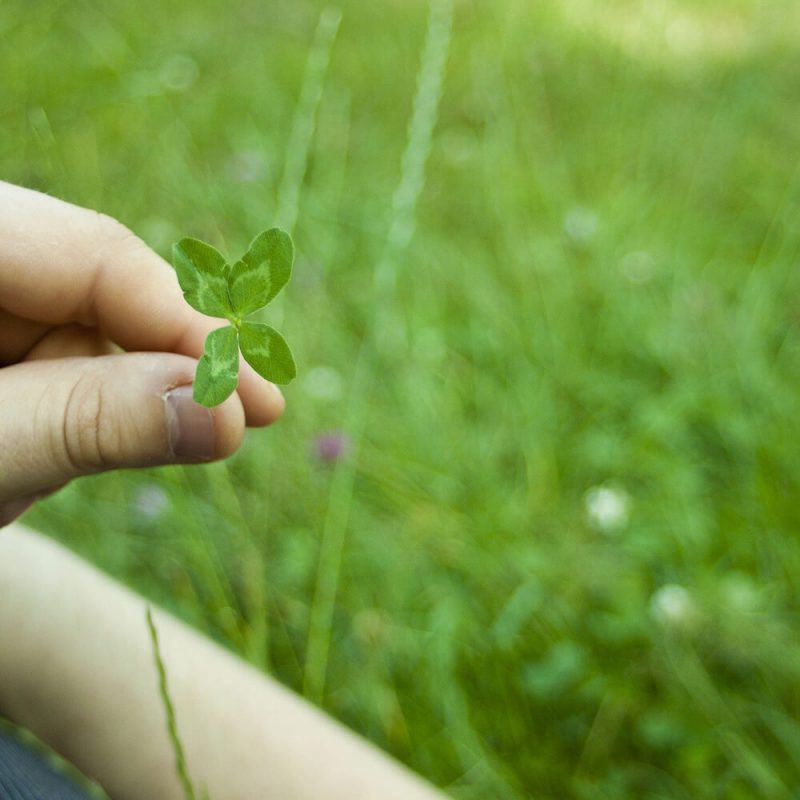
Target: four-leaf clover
232	291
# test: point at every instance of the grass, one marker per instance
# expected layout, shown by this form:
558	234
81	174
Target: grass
598	289
181	767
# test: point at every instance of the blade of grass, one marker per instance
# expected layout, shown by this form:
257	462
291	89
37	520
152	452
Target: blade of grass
404	203
295	164
418	146
305	116
169	709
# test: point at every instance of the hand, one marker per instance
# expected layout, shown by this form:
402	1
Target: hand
77	288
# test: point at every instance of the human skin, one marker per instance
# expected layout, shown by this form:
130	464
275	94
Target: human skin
76	290
97	354
77	668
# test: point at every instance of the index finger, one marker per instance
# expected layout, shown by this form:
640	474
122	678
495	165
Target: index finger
62	264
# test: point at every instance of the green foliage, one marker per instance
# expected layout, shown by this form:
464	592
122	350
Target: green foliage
266	352
202	275
262	272
217	289
218	371
601	291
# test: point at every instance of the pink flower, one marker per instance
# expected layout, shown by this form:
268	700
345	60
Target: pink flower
331	447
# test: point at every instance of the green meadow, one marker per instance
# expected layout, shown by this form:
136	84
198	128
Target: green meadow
531	520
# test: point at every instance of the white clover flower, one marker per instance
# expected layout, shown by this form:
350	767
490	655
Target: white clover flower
248	166
323	383
638	266
150	502
672	605
580	224
178	73
607	508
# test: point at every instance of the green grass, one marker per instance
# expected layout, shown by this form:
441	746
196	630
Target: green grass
181	767
444	591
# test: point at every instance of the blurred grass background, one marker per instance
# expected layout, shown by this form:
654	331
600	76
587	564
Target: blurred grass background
550	547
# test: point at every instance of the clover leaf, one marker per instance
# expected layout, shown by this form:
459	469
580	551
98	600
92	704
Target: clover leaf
201	273
218	371
218	289
262	272
266	351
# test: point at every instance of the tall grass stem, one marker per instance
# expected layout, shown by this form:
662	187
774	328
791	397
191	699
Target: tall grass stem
430	78
169	708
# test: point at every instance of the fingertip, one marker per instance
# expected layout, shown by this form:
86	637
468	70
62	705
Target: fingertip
263	401
229	426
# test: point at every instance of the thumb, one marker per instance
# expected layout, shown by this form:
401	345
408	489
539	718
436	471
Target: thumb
77	416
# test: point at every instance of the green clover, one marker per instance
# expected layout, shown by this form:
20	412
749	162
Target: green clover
231	292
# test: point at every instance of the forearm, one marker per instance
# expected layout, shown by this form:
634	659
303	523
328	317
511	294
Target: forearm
76	667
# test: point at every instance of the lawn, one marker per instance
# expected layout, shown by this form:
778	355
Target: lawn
531	521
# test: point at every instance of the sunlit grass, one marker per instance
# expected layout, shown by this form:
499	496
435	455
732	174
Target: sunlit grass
562	555
685	32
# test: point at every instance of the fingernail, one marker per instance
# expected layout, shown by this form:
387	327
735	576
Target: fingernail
191	426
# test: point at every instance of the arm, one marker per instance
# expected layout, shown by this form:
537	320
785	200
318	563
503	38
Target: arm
76	668
76	665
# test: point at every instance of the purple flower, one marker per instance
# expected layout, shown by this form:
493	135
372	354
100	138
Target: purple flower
331	447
